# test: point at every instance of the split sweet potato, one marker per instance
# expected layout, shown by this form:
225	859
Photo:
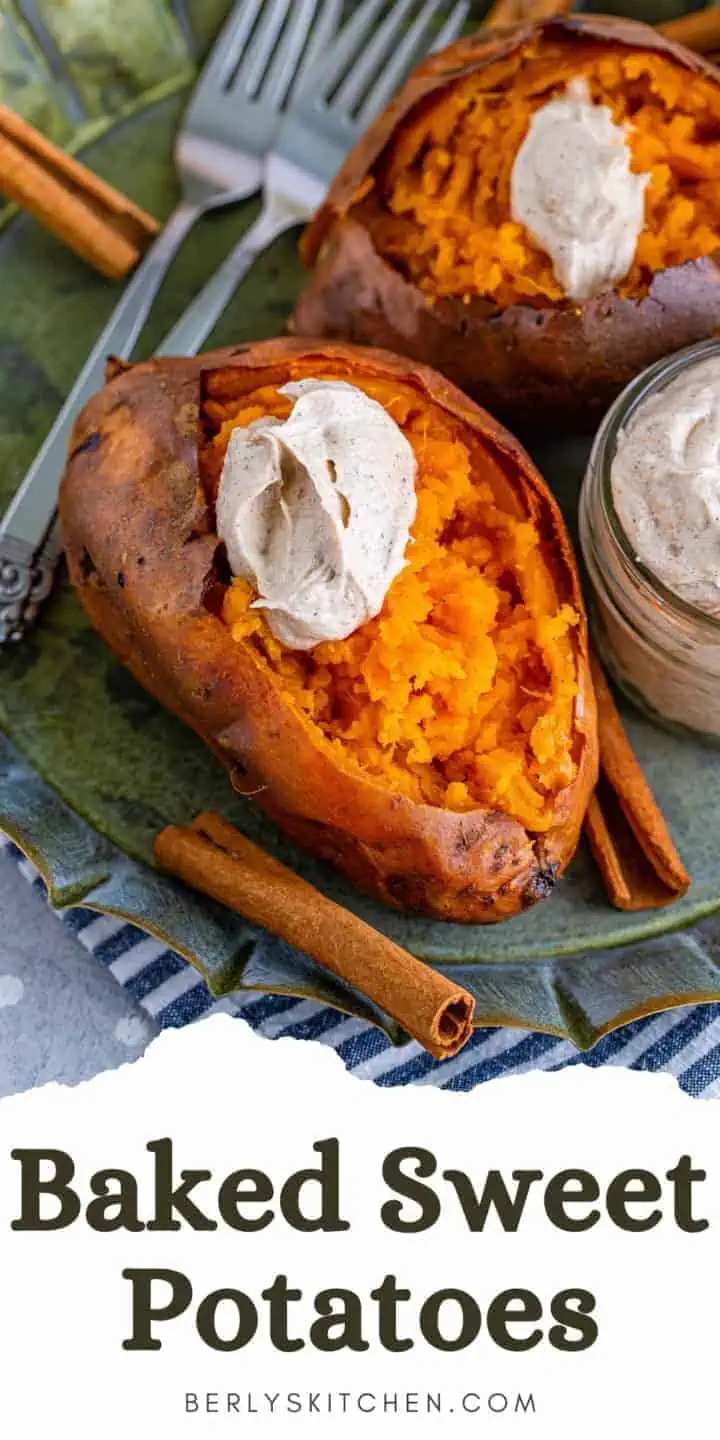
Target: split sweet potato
443	755
415	247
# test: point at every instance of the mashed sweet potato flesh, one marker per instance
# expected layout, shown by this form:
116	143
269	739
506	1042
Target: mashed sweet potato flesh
461	692
438	203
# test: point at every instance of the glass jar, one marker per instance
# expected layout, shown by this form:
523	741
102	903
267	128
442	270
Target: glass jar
663	652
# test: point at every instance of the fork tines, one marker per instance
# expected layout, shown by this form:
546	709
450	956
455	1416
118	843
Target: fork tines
361	87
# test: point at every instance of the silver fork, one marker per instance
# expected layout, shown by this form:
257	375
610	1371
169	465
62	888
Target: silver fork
225	133
330	108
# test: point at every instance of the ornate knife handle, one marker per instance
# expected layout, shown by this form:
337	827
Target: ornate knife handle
25	582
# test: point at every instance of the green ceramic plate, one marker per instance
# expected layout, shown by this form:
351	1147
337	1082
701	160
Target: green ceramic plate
128	768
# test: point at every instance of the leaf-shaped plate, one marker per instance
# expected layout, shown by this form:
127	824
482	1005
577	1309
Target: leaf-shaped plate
126	767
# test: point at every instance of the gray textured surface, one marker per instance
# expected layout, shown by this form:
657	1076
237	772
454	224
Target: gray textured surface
67	1018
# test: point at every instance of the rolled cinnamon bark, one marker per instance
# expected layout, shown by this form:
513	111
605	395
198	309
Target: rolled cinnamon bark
214	857
699	31
515	12
625	827
97	221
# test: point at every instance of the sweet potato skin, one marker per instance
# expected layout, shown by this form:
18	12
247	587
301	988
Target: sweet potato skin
142	555
557	367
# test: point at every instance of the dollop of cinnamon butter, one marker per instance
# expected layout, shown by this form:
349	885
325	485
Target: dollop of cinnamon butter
665	481
315	511
572	188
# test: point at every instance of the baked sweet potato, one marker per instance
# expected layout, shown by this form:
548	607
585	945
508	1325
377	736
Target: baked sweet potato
415	247
443	755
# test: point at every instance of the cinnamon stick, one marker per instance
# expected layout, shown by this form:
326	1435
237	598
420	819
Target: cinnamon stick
606	855
214	857
514	12
699	31
625	827
99	223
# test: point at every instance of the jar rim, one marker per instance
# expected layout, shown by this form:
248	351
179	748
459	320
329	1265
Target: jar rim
647	383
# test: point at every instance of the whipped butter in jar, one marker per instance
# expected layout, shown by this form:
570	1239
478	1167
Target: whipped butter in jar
650	535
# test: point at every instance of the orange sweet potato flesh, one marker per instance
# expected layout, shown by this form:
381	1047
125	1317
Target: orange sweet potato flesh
137	516
532	356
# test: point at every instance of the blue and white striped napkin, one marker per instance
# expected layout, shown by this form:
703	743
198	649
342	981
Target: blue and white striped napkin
684	1043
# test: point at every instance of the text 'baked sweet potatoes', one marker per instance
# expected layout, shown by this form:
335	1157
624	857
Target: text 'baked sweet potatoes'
443	754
